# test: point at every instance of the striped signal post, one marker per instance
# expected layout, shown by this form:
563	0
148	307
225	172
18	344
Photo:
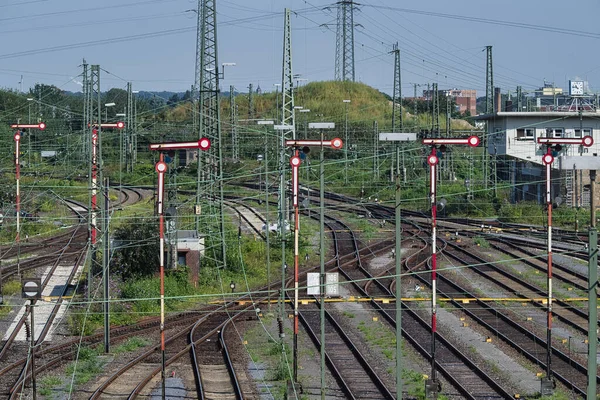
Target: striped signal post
295	162
96	129
41	126
96	154
161	168
553	145
432	385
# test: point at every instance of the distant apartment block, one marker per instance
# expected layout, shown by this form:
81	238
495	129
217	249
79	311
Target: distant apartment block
465	99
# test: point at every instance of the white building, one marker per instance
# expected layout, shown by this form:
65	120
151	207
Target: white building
512	142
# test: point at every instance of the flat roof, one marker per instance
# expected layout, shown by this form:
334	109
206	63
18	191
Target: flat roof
554	114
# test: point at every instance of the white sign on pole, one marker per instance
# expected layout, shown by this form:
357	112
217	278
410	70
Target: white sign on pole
332	287
312	283
579	162
397	137
321	125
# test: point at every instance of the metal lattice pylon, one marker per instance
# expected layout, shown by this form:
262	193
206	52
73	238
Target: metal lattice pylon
210	168
435	110
233	118
489	109
489	82
288	118
129	127
344	41
397	96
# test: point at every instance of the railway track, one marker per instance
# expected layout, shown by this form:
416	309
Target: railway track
504	326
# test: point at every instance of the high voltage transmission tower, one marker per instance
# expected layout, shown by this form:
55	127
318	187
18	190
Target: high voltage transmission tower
210	167
233	119
397	95
344	41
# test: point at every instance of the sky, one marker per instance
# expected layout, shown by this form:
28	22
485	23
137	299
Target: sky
152	43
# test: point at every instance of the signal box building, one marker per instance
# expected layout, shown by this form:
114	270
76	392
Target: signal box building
512	145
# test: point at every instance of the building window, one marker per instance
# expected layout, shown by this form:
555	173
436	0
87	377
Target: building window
555	132
525	134
586	132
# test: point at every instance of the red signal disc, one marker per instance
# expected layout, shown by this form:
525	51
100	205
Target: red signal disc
473	141
204	144
120	125
42	126
161	167
337	143
295	161
588	141
17	137
547	159
432	159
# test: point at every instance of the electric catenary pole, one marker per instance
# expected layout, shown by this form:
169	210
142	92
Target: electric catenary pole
250	102
489	109
210	167
489	82
344	41
233	120
130	126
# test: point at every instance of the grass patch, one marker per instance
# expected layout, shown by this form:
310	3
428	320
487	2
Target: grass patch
47	384
481	242
86	367
11	288
131	344
378	335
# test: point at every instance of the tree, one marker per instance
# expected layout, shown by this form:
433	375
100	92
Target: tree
137	252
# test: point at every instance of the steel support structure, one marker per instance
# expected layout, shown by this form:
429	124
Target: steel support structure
250	102
210	164
397	94
287	130
344	41
489	109
129	131
233	120
592	356
432	385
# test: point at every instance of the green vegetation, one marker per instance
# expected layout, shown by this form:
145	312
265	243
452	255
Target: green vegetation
377	334
47	384
131	344
12	287
86	367
481	242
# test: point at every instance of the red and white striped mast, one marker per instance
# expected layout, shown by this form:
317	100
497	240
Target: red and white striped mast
433	161
161	168
295	162
94	187
553	145
41	126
